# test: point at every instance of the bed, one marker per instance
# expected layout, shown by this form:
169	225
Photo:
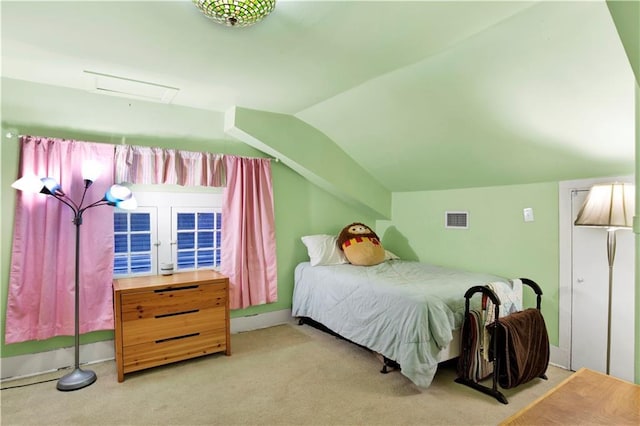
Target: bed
409	312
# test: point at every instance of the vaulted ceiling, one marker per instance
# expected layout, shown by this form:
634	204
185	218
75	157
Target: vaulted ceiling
422	94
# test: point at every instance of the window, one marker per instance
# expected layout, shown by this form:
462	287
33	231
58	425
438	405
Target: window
198	235
133	236
184	228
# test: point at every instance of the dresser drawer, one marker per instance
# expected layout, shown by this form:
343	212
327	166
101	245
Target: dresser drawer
151	304
151	354
171	326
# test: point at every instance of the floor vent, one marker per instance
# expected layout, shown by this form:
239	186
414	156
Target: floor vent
458	220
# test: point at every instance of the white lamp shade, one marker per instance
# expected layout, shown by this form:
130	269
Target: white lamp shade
36	185
608	205
129	204
28	183
91	170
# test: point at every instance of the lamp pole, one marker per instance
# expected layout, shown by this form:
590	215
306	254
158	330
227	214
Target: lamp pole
611	255
78	378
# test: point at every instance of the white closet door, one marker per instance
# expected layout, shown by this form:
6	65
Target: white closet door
590	284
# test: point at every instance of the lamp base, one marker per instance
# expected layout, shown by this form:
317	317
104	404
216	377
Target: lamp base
77	379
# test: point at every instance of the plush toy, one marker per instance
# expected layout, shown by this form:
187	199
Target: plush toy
361	245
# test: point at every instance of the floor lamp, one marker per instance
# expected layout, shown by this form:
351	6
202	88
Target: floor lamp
608	206
117	195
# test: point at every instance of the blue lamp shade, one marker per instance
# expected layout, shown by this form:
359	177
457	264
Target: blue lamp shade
51	186
35	185
121	197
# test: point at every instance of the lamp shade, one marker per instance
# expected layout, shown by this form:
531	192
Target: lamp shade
28	183
120	196
51	186
130	204
36	185
91	170
236	13
608	205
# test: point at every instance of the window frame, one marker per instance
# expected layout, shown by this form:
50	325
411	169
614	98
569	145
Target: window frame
174	232
153	230
164	198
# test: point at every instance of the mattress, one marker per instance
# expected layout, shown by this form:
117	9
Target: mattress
407	311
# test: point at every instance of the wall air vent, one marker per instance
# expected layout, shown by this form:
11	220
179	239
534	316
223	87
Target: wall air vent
129	88
457	220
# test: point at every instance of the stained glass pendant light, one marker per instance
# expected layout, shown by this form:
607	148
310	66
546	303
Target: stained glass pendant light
236	13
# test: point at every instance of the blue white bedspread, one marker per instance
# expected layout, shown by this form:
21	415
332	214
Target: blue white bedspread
404	310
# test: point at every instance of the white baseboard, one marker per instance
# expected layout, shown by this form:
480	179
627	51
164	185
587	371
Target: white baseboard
20	366
258	321
43	362
559	357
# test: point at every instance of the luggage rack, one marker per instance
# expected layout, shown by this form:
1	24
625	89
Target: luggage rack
467	381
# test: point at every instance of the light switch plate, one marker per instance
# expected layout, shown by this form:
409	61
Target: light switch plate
528	214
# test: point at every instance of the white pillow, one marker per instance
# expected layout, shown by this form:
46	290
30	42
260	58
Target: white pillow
323	250
390	256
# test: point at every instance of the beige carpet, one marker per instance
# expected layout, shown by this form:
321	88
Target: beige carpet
284	375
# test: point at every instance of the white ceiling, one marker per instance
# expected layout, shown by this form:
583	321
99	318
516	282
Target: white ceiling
423	94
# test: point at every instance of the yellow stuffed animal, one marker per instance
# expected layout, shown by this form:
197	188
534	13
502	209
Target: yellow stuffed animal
360	245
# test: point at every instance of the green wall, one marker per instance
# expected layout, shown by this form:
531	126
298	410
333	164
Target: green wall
301	208
498	241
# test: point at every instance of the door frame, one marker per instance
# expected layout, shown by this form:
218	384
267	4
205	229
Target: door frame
561	355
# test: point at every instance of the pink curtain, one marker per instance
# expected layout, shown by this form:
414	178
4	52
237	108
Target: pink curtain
40	301
150	165
248	237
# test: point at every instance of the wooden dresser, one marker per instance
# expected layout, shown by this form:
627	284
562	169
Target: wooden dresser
161	319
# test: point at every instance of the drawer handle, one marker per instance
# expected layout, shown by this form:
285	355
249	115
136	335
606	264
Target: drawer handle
177	337
177	313
188	287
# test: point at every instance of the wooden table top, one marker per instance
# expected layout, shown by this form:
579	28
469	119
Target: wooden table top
586	397
176	279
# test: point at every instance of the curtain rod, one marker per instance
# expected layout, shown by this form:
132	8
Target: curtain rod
11	132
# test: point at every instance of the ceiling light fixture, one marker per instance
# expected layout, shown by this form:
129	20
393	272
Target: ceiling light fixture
236	13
